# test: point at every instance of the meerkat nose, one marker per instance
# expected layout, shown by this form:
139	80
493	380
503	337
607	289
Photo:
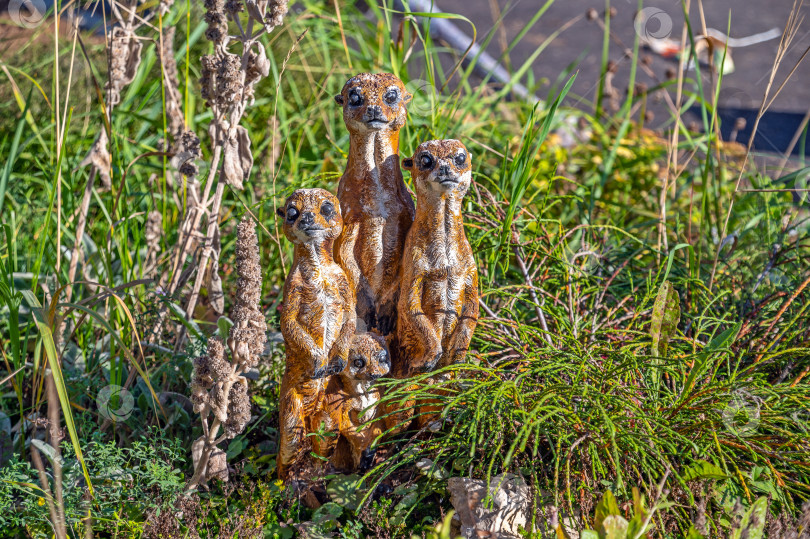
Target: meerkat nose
307	218
444	170
374	111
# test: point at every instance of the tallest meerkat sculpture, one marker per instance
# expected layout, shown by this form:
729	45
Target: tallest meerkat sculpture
377	207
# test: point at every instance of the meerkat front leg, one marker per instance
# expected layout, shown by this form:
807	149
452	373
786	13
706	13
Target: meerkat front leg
294	333
339	353
429	339
387	311
360	441
291	428
467	320
344	253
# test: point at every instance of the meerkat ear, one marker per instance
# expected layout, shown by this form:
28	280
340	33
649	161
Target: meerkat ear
339	99
280	212
407	163
406	97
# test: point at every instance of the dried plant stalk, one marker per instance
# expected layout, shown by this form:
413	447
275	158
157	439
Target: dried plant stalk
227	85
219	389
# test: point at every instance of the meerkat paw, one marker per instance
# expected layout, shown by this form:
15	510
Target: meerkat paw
428	363
336	366
321	369
367	459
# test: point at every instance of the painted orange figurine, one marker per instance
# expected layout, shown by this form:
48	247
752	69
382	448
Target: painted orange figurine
377	206
350	405
438	303
317	318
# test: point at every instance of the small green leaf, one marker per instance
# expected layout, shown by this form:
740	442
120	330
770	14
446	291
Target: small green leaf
702	469
693	534
432	470
615	527
606	507
665	317
47	450
326	515
753	521
344	491
588	534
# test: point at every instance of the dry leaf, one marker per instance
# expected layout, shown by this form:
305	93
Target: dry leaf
217	465
237	158
99	157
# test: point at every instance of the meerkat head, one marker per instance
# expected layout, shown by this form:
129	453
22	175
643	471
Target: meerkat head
374	102
311	216
440	166
368	358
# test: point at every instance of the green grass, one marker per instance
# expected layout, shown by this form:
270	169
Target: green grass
566	239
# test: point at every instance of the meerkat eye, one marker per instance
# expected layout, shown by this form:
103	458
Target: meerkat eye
391	96
426	161
359	363
355	97
292	214
327	210
461	159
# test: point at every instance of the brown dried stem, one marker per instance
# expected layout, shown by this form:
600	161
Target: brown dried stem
219	387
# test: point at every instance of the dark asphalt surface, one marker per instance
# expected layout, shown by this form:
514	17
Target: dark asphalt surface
581	45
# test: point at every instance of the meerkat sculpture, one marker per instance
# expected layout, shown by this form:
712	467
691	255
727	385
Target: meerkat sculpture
350	405
377	206
317	317
438	302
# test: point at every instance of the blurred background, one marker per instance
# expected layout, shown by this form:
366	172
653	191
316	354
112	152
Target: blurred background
571	34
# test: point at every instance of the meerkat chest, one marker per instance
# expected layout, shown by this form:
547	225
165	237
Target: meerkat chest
323	307
443	287
365	399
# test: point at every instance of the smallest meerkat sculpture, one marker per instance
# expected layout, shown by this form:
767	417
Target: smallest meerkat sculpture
350	405
317	317
438	302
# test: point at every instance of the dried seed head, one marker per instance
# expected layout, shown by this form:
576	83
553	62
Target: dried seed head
174	111
203	377
238	408
248	334
186	150
124	57
220	368
229	83
234	6
219	402
199	397
217	23
276	10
